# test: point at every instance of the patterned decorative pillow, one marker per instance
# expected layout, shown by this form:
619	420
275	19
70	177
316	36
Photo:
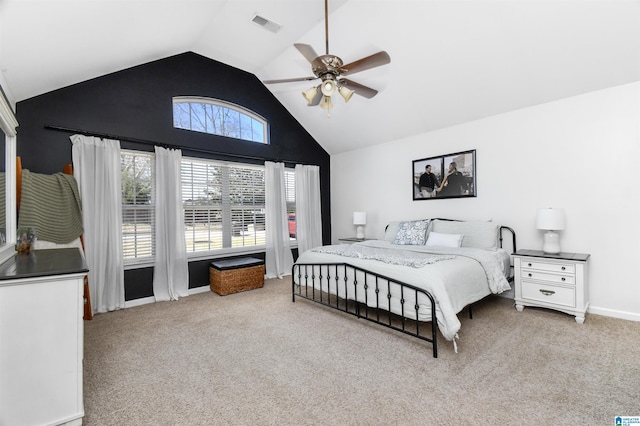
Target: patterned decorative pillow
412	233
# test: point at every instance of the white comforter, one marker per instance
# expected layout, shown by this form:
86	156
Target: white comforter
454	282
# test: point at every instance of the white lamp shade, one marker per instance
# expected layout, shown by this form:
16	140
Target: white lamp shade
310	94
326	103
359	218
550	219
345	93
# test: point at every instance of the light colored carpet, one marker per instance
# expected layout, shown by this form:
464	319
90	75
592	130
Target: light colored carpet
256	358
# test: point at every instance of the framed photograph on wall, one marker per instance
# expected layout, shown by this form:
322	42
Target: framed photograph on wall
445	176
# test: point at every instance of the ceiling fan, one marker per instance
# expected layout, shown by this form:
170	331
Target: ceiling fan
330	69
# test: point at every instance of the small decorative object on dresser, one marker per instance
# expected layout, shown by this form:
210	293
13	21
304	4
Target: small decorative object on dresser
26	238
555	281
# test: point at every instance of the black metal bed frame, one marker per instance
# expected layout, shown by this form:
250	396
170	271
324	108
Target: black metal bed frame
308	280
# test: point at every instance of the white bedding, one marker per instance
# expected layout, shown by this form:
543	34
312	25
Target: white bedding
455	283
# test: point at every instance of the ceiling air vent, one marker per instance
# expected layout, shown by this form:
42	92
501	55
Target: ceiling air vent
265	23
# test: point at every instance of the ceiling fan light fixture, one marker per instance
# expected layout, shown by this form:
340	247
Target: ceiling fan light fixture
330	69
345	93
328	87
326	103
309	95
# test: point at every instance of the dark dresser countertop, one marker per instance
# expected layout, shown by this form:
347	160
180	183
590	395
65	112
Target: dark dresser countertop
581	257
40	263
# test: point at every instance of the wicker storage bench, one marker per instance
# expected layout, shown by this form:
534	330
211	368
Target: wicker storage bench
233	275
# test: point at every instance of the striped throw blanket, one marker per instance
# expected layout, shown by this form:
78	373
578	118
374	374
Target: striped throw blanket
51	204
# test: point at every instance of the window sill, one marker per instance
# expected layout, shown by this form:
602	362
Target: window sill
195	257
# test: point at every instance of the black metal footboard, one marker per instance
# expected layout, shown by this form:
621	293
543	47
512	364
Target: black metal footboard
368	295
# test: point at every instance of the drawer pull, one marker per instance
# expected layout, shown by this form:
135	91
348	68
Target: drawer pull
530	265
564	279
564	268
547	292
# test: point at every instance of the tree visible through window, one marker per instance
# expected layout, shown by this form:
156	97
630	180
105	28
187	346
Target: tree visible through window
224	205
219	117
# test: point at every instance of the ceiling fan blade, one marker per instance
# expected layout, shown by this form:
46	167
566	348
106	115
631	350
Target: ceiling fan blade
289	80
307	51
372	61
361	90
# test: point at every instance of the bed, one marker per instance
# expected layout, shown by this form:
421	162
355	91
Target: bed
416	280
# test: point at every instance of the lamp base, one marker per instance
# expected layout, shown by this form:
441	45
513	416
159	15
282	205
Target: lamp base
360	231
551	242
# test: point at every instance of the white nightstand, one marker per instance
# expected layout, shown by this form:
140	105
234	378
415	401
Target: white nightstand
351	240
554	281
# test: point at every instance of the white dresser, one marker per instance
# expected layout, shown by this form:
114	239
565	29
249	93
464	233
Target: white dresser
41	338
554	281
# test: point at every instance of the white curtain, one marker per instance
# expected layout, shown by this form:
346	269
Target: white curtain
96	168
278	257
170	269
308	208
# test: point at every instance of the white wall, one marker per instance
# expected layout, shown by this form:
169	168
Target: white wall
580	153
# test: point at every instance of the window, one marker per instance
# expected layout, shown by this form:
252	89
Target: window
219	117
290	193
138	210
224	205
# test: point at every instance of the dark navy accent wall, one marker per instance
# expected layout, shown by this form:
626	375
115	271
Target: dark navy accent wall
136	103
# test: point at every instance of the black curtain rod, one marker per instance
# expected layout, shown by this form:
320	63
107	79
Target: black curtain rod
148	142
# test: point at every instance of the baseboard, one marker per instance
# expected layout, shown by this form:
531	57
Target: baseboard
203	289
148	300
630	316
139	302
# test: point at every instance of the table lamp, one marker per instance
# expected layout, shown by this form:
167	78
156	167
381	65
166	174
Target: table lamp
359	219
550	220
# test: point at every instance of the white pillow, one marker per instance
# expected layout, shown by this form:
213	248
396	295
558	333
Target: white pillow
444	240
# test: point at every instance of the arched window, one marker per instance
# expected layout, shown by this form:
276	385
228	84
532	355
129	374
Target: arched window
219	118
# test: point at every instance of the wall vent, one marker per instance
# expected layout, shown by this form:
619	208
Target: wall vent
265	23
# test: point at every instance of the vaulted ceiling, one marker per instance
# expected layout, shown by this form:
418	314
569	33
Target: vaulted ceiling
451	61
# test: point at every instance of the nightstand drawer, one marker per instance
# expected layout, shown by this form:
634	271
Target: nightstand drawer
563	268
530	274
564	296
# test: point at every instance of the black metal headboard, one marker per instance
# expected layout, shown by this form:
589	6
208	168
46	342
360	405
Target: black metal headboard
500	232
513	237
